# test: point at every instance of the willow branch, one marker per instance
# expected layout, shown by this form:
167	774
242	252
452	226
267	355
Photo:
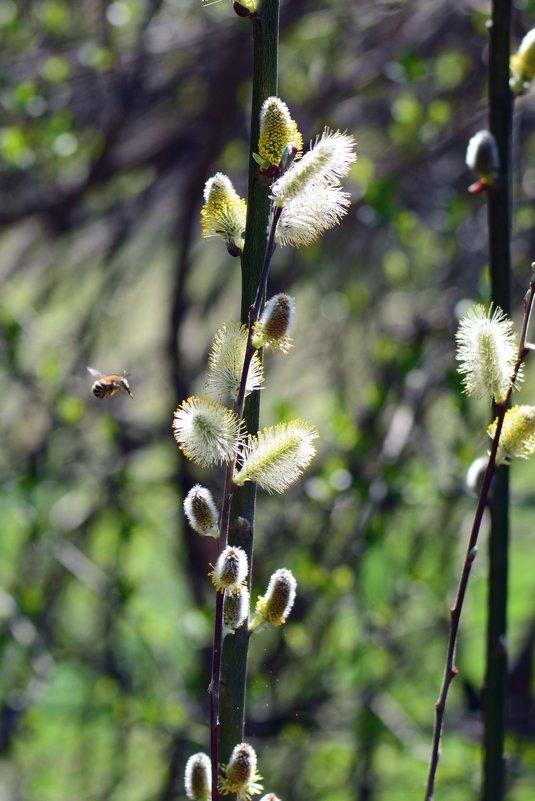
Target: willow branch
450	671
229	664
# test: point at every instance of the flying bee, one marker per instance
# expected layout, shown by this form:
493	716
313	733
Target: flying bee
107	385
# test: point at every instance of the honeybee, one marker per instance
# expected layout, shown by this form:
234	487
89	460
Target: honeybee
107	385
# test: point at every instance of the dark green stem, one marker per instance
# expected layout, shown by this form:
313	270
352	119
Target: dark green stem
499	224
265	65
235	648
242	530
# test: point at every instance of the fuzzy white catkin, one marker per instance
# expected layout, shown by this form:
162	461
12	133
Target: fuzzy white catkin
486	352
198	777
231	570
201	511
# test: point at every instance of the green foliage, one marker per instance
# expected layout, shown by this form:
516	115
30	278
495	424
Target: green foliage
112	121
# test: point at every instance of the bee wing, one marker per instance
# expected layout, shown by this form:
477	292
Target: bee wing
95	373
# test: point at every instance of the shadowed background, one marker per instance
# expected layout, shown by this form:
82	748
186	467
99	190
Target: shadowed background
113	116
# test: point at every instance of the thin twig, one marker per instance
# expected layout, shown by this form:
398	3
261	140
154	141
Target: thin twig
270	249
450	671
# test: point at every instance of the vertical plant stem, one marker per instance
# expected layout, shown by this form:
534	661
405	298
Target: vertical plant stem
243	528
265	78
499	223
235	648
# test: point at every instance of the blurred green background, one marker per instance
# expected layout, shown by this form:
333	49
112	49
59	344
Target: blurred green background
112	117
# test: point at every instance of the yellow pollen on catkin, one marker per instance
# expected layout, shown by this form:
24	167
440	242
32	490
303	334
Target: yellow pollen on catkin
278	131
522	64
517	437
240	775
277	455
275	606
275	324
231	570
224	211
